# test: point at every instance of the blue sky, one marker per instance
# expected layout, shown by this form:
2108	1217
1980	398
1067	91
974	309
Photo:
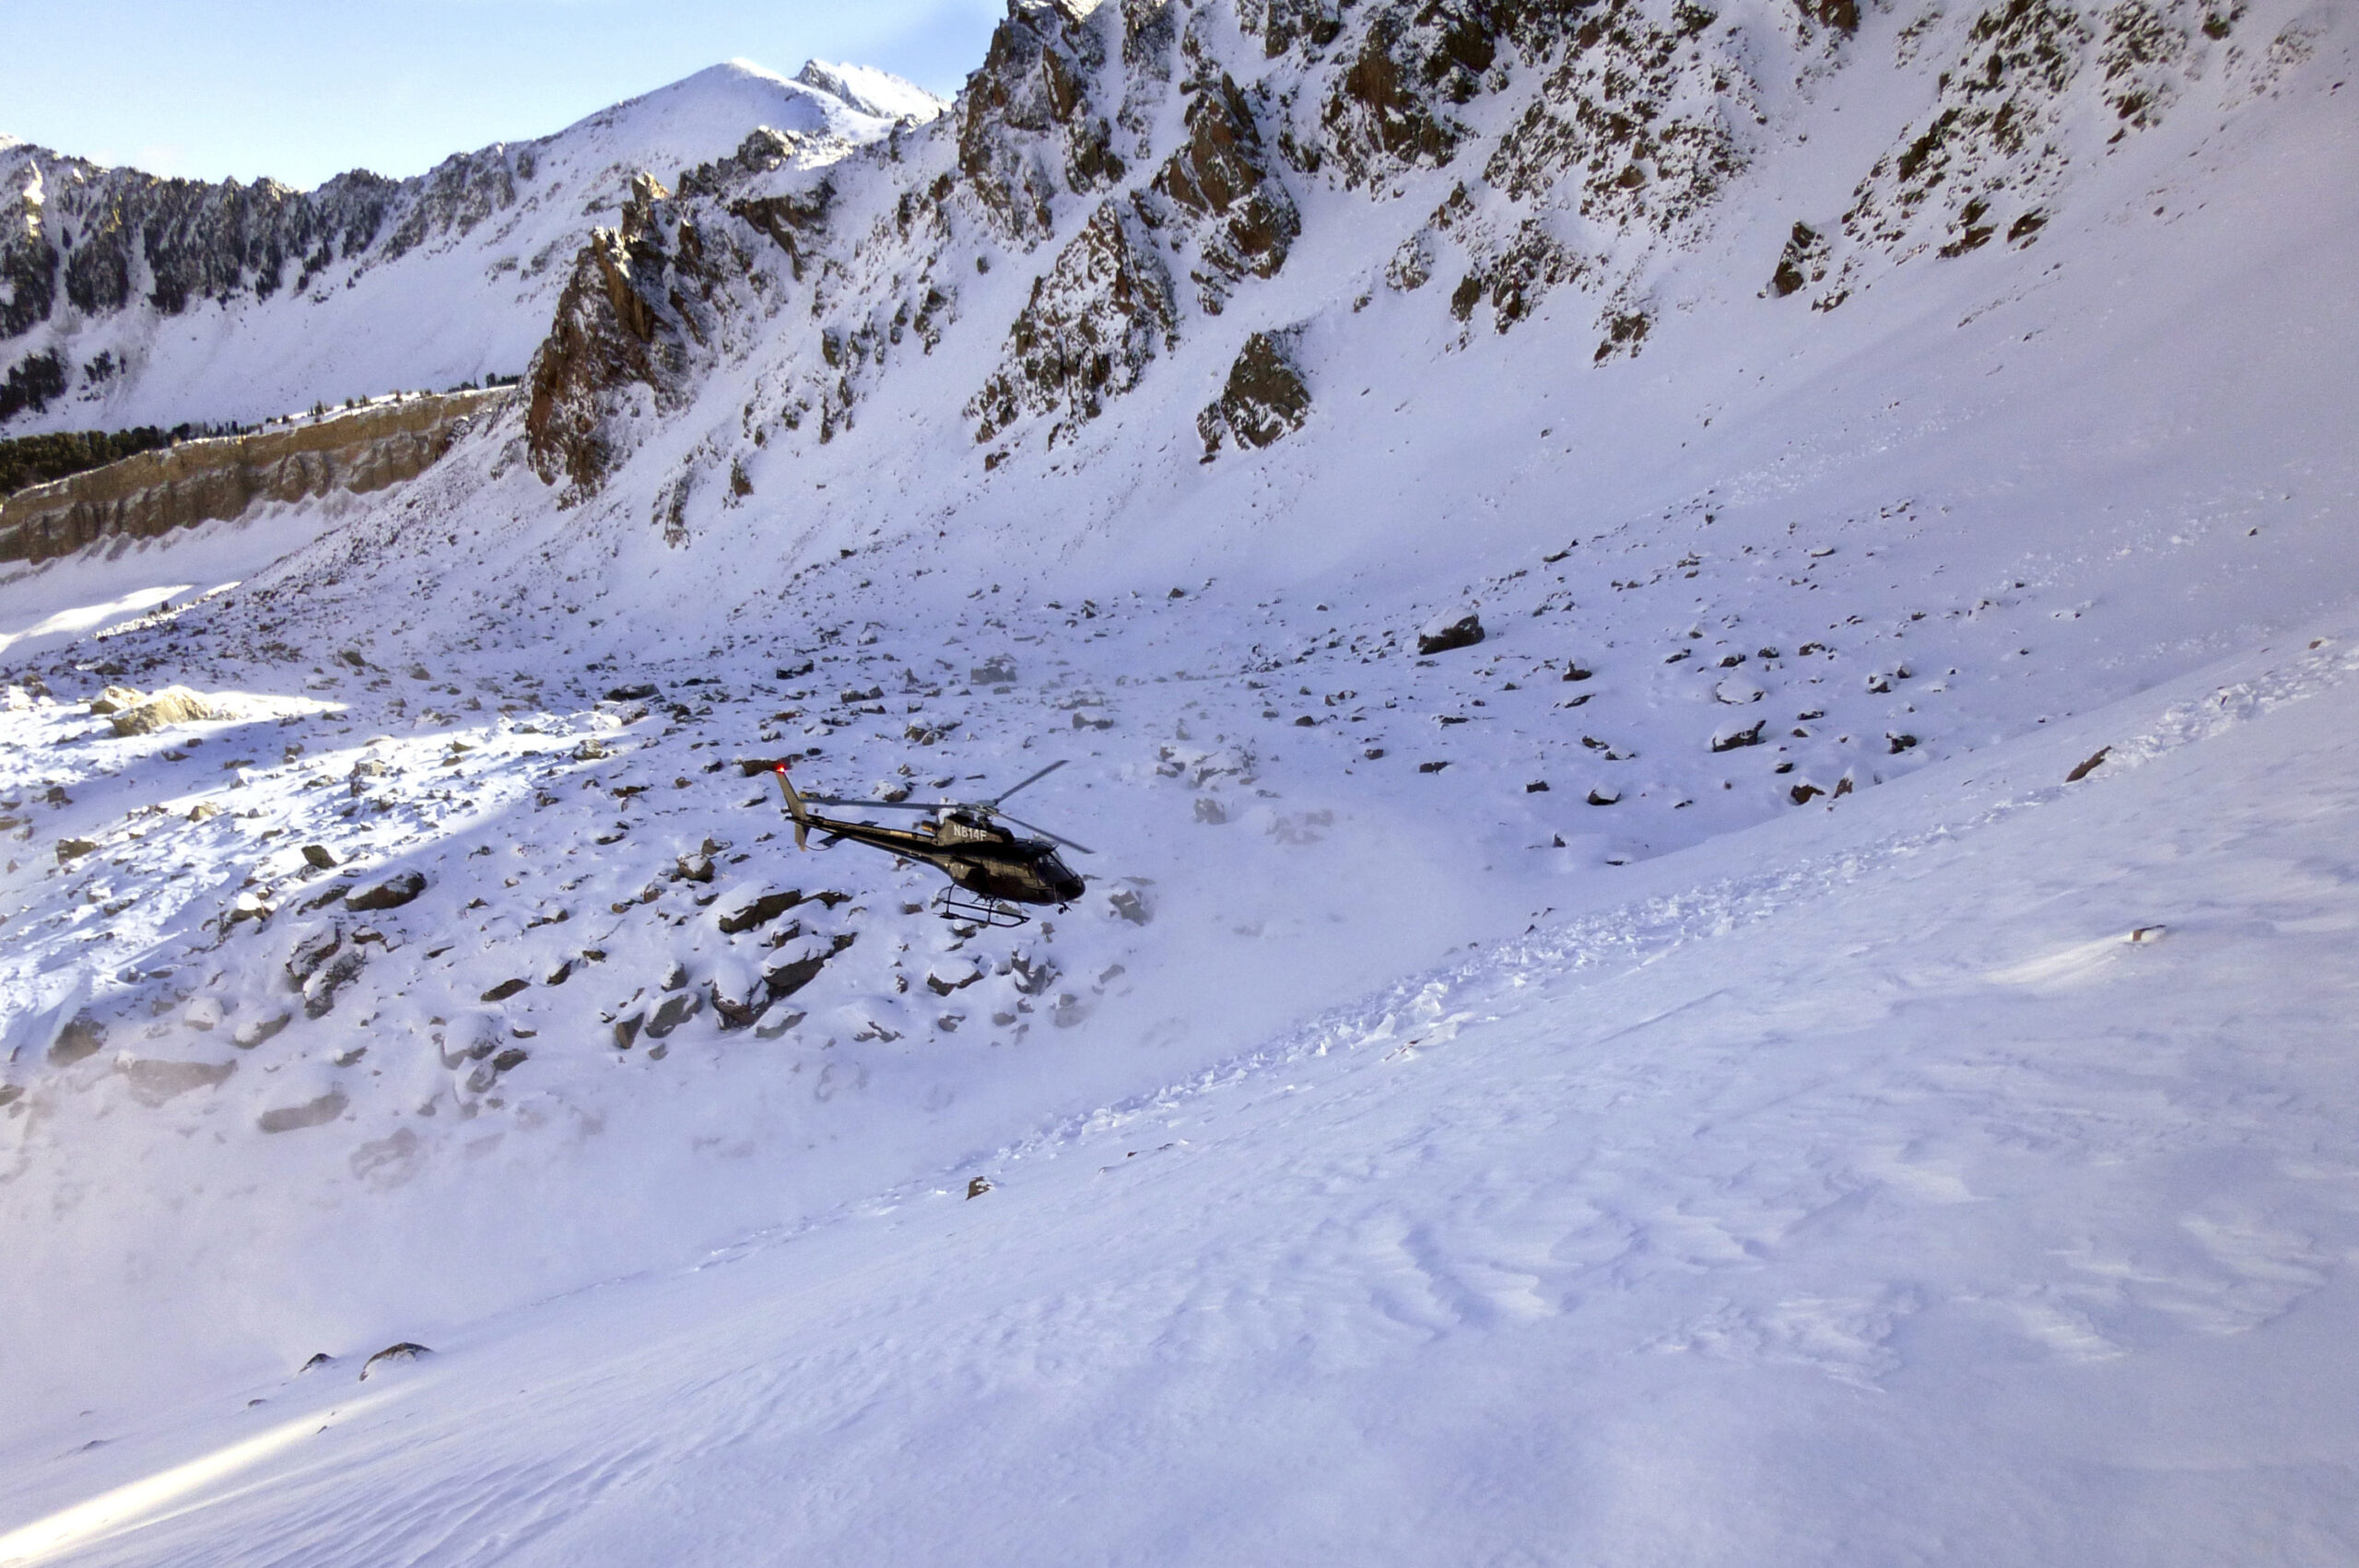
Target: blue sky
302	91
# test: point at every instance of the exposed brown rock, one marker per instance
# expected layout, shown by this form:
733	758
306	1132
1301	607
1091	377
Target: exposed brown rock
1445	631
1843	15
632	312
392	1355
1222	178
1387	107
311	1112
390	894
1035	80
153	1082
1094	323
194	482
82	1037
1284	23
1265	397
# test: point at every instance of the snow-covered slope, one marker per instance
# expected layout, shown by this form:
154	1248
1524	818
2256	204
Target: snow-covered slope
1780	1060
129	299
1966	1178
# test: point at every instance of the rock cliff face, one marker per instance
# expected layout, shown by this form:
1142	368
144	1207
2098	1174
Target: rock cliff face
1095	321
635	306
1149	168
156	492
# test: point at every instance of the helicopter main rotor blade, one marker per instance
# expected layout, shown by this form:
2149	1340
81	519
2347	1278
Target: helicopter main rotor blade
1053	837
867	805
1027	784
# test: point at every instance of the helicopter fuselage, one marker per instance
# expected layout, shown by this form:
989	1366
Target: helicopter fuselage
981	857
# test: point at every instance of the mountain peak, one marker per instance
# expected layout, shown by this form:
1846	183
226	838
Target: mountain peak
872	91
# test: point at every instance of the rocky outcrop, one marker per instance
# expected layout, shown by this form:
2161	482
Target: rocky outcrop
1220	183
1390	106
1590	146
1028	127
194	482
2033	82
1284	23
100	239
174	705
1093	324
637	306
1265	397
94	261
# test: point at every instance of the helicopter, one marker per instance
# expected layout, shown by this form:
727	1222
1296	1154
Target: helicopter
992	871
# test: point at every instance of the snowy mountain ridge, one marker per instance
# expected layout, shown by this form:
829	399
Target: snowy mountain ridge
130	300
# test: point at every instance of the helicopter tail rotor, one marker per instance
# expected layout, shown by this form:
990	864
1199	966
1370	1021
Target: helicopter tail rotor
794	806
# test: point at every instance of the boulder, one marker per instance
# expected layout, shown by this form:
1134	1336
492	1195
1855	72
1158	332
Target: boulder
677	1009
1264	398
393	1355
794	967
254	1031
311	1113
1729	740
310	954
82	1037
761	911
2084	769
944	975
153	1082
390	894
1460	626
318	991
738	996
470	1036
174	705
114	699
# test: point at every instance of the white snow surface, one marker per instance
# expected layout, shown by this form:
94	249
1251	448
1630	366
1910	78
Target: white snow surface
1386	1161
878	94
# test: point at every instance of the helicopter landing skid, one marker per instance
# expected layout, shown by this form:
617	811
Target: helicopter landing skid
953	903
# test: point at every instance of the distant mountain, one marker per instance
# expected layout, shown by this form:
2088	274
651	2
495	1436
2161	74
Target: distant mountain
126	299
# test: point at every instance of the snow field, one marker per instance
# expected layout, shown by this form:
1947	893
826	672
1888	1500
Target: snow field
1878	1196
